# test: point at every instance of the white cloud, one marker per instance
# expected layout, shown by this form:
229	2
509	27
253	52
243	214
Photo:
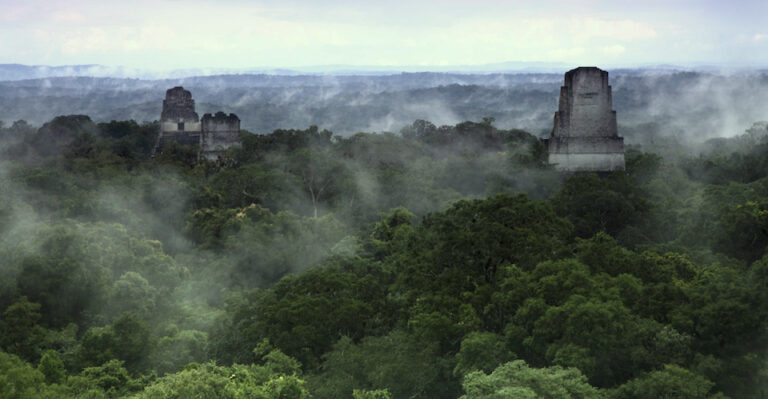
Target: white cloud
68	16
624	29
567	54
614	50
84	41
285	33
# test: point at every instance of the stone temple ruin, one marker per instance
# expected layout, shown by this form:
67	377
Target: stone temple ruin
585	136
180	123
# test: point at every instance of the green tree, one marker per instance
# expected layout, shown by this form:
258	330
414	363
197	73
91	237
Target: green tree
517	380
19	380
373	394
21	335
322	175
110	380
178	349
396	362
60	276
206	382
236	382
133	293
304	314
127	339
52	367
597	204
475	238
483	351
264	246
671	382
62	133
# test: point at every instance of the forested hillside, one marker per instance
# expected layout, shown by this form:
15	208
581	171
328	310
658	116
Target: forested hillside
440	262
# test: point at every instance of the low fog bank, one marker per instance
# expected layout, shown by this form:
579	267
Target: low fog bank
651	103
343	104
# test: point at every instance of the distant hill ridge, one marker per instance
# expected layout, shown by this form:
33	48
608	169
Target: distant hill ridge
650	102
22	72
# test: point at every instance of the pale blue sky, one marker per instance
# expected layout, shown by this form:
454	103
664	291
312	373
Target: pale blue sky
163	34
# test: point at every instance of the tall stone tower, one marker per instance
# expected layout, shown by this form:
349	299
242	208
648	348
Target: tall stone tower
178	122
585	136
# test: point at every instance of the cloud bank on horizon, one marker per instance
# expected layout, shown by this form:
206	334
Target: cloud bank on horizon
162	34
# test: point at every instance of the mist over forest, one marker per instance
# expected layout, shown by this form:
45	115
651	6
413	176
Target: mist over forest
382	237
689	105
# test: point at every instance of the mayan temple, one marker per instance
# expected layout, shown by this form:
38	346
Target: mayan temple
179	123
585	135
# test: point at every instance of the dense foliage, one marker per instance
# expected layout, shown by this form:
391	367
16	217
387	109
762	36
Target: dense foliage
441	262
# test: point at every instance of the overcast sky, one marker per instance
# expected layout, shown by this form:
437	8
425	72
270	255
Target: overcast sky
163	34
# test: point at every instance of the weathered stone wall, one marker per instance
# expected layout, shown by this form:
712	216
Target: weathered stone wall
586	145
585	105
172	126
219	132
179	106
587	162
585	134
